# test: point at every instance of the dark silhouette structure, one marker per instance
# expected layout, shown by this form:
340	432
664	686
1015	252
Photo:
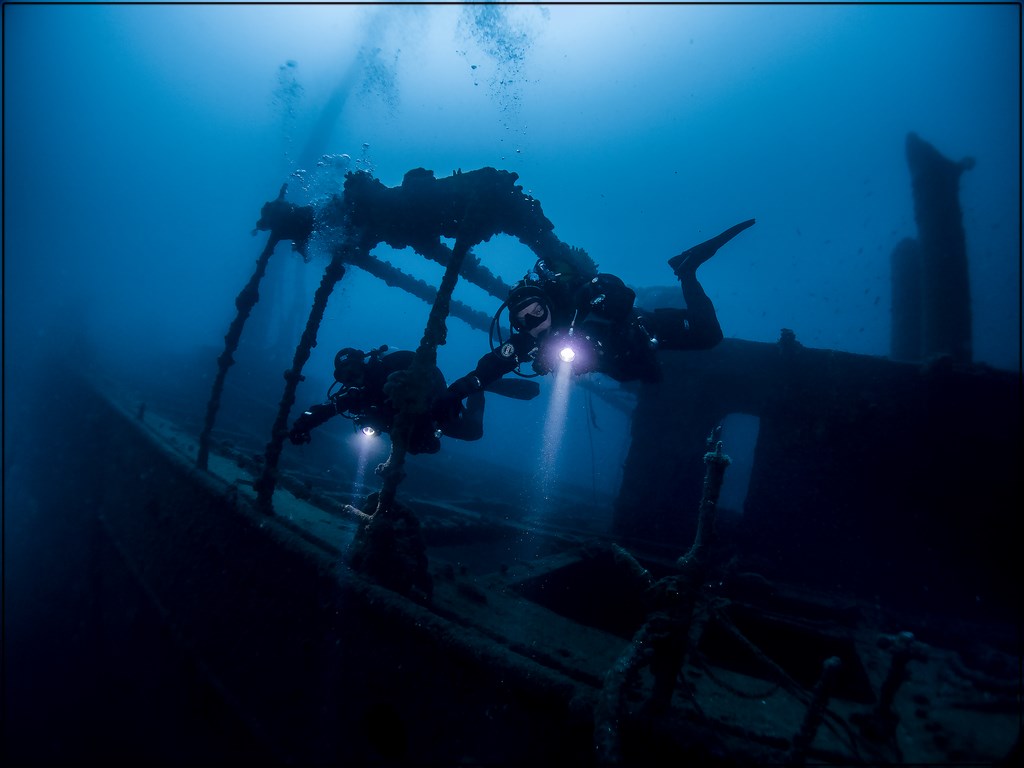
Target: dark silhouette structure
931	308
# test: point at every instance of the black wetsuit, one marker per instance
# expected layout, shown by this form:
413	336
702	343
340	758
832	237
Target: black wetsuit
594	315
620	340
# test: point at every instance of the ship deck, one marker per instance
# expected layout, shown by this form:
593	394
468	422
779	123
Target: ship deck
507	660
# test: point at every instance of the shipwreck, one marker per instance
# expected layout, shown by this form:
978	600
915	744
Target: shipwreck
783	632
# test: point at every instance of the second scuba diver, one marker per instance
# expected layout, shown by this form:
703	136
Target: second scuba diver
362	398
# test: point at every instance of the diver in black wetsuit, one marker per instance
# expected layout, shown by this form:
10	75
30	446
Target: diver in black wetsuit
363	400
591	323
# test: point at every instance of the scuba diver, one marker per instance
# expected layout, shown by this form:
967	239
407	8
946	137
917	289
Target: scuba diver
591	323
363	399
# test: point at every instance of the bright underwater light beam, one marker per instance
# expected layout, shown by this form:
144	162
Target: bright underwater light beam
364	443
554	428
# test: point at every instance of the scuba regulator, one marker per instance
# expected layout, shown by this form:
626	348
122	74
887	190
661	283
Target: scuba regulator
536	287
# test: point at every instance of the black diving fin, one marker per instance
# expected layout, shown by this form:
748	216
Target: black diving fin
694	257
517	389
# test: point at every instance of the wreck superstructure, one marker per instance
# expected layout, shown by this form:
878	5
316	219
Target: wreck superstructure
862	448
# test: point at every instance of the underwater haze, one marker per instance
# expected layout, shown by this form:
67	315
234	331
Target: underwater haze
141	142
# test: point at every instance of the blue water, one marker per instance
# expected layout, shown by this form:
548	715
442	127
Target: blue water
141	141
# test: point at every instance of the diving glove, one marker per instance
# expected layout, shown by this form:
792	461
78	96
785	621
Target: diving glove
309	421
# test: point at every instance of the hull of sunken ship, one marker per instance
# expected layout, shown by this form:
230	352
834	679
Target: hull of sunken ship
537	644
